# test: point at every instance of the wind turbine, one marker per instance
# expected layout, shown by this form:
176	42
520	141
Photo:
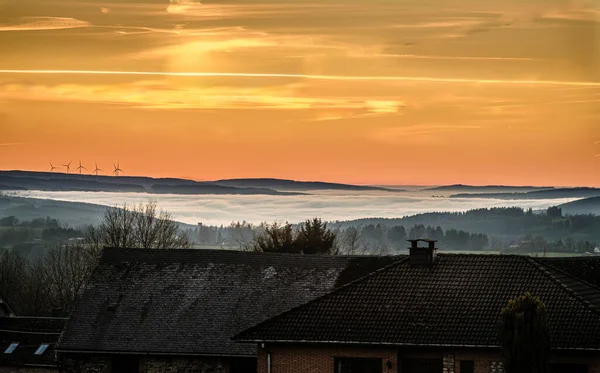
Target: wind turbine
80	168
52	168
68	166
97	169
117	169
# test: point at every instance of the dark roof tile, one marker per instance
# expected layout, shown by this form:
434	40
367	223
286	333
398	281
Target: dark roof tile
456	302
194	301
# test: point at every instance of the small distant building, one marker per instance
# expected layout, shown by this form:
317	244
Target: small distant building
433	313
27	343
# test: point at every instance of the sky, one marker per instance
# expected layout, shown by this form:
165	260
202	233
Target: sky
386	92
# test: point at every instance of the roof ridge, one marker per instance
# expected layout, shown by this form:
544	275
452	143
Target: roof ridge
331	293
540	267
569	274
231	252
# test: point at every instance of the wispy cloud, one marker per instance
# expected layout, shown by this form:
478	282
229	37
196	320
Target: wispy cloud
421	133
307	76
15	143
160	95
45	23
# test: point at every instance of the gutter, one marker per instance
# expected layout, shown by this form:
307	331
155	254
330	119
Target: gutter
399	344
99	352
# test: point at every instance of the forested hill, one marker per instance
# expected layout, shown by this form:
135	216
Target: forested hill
537	194
507	222
582	206
461	188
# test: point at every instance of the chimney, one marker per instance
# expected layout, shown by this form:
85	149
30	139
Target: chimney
422	256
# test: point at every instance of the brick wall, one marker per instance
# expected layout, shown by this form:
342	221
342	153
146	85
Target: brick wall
595	367
27	370
183	365
84	363
307	359
484	361
87	363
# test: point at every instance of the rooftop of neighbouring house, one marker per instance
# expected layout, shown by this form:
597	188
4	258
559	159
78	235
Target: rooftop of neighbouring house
29	341
454	301
586	268
194	301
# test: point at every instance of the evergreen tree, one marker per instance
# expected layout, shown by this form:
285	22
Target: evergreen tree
524	335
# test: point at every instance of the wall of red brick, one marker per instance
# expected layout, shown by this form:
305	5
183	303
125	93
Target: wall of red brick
594	367
308	359
484	361
27	370
183	364
304	359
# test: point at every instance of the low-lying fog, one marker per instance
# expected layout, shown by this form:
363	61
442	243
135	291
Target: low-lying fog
223	209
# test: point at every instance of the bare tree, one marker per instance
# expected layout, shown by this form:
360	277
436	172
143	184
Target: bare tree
352	242
67	269
36	294
12	276
243	234
141	226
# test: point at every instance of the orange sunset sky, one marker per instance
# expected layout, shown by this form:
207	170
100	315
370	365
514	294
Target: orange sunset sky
356	91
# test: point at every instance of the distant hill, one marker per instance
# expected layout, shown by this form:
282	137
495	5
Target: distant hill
284	184
46	181
215	189
486	188
583	206
73	213
56	181
537	194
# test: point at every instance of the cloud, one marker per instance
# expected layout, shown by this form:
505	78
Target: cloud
219	209
15	143
45	23
419	134
161	95
199	74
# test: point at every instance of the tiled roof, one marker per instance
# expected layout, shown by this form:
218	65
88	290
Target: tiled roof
586	268
457	302
30	333
194	301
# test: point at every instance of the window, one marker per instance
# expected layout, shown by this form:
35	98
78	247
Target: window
125	364
422	365
568	368
11	348
41	349
358	365
467	366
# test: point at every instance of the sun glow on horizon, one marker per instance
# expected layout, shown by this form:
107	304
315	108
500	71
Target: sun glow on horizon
366	92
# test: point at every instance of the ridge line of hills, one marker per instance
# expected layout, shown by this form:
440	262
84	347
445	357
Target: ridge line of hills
48	181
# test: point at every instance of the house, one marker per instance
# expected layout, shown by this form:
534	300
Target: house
27	343
177	310
431	313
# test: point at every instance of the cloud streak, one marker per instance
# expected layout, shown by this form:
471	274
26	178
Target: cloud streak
15	143
45	23
306	76
158	95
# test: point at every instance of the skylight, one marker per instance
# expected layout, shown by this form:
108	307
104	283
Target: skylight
11	348
41	349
